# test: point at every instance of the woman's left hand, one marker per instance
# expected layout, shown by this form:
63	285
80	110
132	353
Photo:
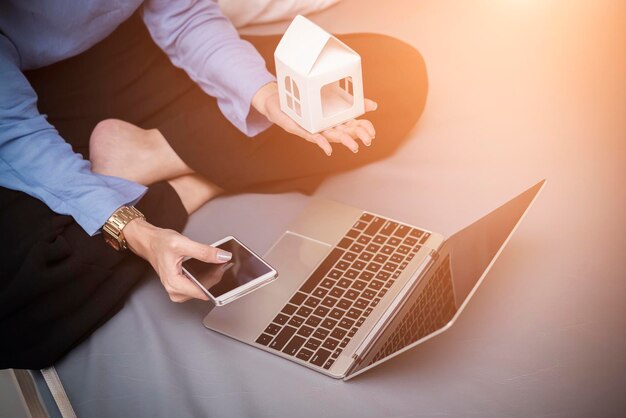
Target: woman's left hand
266	102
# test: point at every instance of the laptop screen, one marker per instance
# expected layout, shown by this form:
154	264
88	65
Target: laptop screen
443	291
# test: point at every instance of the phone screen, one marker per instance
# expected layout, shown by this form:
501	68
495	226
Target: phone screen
220	279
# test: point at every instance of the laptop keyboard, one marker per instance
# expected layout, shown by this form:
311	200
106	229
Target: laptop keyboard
430	310
321	318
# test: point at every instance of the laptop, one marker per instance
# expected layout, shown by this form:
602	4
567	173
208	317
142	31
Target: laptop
356	289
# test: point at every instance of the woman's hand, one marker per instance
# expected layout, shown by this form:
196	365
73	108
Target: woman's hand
166	250
266	102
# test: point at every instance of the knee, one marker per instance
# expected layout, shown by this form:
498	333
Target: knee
395	76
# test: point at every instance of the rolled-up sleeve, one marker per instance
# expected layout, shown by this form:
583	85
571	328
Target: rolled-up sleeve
198	38
34	159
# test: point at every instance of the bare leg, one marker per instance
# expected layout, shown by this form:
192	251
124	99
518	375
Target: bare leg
121	149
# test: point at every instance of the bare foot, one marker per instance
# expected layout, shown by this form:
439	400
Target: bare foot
121	149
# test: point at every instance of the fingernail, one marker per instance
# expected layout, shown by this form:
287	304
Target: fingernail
355	150
224	255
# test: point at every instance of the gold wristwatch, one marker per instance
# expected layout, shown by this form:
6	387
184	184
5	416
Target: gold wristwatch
113	229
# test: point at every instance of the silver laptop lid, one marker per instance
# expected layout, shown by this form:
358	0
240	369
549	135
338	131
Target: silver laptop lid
438	298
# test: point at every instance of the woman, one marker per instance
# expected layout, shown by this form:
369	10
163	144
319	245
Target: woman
60	280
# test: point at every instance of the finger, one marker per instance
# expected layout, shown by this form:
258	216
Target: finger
203	252
370	105
337	135
184	287
369	126
363	135
323	143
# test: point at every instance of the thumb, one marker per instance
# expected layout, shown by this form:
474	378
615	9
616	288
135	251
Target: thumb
370	105
204	252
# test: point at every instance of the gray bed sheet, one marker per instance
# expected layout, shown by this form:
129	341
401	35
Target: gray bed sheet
545	335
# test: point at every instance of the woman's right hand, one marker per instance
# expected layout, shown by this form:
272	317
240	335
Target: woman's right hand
166	250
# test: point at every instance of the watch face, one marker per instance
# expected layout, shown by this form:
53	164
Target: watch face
111	241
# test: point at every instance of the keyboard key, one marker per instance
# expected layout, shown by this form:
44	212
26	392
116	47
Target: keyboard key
313	344
366	217
342	265
320	292
289	309
298	298
264	339
375	302
353	233
374	226
319	273
336	292
294	345
281	319
403	249
359	265
359	285
424	238
335	274
328	363
336	313
360	303
304	354
336	353
272	329
382	293
312	302
394	242
320	357
383	276
360	321
359	225
283	336
380	258
344	304
344	283
351	294
305	331
344	343
410	241
327	283
379	239
402	231
389	227
375	284
415	233
329	302
351	274
373	248
330	344
368	294
353	313
296	321
367	312
363	239
366	276
352	332
357	248
396	258
365	256
346	323
390	267
373	267
321	311
345	243
349	256
339	333
387	249
328	324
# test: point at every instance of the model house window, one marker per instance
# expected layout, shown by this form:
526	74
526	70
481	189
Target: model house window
293	96
337	97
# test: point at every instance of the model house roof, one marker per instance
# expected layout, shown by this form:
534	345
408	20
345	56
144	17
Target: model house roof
304	43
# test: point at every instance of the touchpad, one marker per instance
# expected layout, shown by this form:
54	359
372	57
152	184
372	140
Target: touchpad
295	257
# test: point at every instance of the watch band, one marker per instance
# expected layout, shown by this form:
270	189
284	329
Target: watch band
114	226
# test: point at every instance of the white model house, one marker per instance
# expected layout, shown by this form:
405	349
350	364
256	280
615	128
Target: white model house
319	77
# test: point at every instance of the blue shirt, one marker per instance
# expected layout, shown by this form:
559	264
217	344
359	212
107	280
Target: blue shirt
33	157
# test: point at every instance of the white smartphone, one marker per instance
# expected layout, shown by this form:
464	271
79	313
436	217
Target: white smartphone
225	282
